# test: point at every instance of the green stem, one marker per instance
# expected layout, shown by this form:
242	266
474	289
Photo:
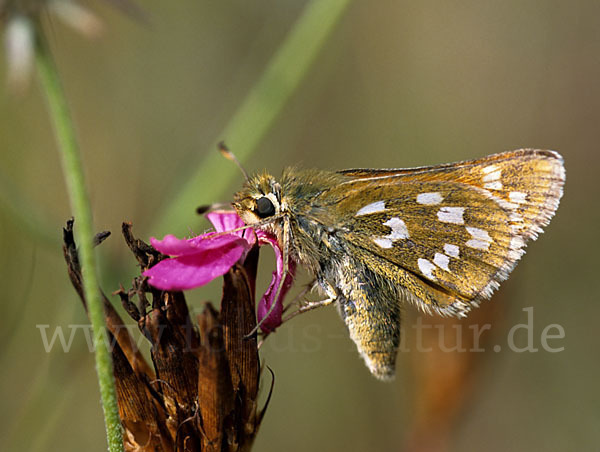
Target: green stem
258	111
80	205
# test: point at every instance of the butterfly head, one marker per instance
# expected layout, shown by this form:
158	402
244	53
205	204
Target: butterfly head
259	200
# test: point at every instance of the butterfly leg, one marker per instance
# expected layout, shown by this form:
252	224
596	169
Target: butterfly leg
309	306
299	298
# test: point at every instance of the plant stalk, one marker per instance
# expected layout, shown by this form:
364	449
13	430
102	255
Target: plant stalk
80	206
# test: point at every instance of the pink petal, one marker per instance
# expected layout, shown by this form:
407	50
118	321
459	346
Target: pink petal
224	220
273	320
201	259
173	246
227	220
199	262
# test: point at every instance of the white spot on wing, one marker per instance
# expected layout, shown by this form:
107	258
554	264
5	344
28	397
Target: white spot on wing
451	250
490	169
516	248
442	261
481	239
517	196
496	185
429	198
426	268
517	242
492	175
383	242
399	232
374	207
399	229
516	218
501	202
451	215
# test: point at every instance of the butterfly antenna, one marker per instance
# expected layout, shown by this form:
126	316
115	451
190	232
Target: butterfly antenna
225	152
206	208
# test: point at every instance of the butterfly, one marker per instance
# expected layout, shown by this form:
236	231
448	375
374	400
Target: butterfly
439	237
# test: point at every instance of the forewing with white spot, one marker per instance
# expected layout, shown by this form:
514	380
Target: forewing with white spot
453	232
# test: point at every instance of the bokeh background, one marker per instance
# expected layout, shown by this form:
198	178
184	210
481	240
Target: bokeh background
396	84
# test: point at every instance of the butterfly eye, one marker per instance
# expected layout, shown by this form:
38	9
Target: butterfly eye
264	207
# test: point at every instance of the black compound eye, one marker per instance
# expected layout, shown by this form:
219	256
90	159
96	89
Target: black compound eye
264	207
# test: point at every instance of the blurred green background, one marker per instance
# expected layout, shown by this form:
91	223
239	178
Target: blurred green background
397	84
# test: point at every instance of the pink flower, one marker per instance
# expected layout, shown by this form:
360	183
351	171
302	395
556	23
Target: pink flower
201	259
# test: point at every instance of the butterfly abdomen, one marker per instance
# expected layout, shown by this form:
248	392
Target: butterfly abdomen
370	307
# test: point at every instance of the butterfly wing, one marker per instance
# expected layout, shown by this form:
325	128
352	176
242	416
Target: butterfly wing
449	234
